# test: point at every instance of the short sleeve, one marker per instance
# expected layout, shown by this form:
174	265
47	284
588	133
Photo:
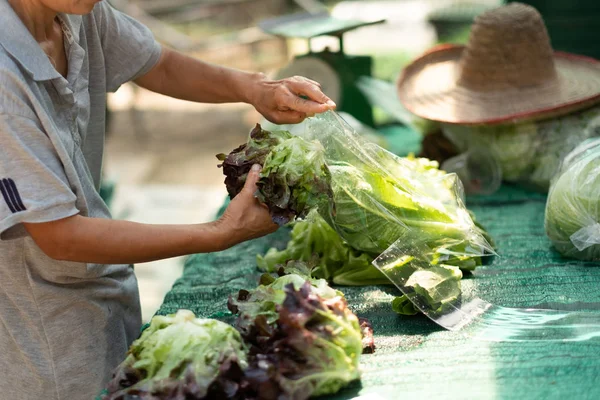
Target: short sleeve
129	47
33	184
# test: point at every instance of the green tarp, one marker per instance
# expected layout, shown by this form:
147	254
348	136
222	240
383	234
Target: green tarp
415	358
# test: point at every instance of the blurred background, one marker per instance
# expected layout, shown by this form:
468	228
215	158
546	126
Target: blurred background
160	162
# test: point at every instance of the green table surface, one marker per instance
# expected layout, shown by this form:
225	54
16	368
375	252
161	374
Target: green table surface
417	359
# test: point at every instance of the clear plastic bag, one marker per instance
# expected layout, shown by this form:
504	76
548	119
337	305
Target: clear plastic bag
424	264
435	290
528	153
431	286
407	209
572	218
379	196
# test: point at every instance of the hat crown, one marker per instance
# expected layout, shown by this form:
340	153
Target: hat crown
508	48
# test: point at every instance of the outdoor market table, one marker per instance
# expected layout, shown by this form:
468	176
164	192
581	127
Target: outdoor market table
417	359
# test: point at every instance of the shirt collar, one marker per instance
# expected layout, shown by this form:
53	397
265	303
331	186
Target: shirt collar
20	44
73	22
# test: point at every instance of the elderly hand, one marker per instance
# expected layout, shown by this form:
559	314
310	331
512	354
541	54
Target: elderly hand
290	100
246	218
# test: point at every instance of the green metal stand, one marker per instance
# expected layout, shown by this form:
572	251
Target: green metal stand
335	70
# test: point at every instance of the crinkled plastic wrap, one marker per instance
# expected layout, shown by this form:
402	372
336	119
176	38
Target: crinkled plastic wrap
528	153
573	207
433	287
406	209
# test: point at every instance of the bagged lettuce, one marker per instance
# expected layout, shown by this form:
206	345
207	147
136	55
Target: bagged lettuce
379	197
528	153
314	241
572	218
406	210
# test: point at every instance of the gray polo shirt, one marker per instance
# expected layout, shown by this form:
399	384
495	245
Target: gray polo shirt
63	325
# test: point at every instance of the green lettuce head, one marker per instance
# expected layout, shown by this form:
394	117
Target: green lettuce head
181	356
294	177
315	242
311	349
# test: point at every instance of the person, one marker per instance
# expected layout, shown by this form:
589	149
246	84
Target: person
69	305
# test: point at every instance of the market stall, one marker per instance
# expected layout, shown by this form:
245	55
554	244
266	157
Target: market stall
465	297
415	358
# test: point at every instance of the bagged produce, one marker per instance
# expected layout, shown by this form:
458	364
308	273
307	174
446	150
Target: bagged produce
379	197
573	207
369	196
528	153
376	199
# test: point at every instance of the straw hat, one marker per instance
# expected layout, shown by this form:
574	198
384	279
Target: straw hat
507	72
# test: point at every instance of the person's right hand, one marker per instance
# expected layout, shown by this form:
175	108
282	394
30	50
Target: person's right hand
246	218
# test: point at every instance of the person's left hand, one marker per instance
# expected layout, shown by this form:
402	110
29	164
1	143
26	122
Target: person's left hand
290	100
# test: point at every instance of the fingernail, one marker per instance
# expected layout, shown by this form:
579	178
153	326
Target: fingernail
256	168
331	103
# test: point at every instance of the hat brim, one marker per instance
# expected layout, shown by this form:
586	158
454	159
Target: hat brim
428	88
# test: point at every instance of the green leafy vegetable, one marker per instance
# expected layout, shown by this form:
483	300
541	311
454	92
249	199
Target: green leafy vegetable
311	349
179	356
403	306
512	145
294	177
420	203
433	288
572	209
261	303
313	240
295	338
529	153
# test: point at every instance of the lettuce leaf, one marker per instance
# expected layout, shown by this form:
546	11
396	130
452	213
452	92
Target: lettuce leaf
294	177
181	356
314	241
312	348
261	303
